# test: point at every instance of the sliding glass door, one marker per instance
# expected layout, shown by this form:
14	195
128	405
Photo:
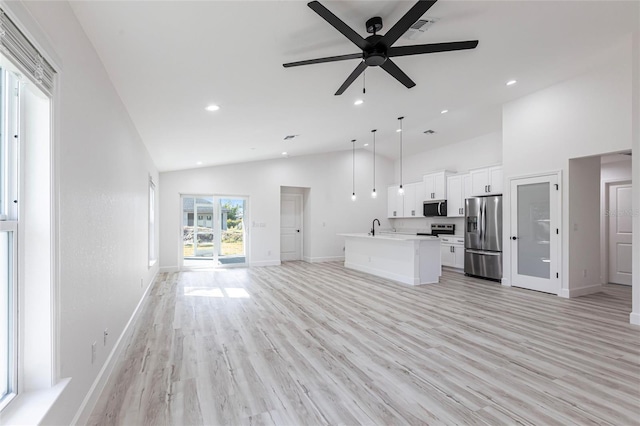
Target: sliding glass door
213	231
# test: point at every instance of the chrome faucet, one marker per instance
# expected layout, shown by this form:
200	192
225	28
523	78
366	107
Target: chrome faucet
373	227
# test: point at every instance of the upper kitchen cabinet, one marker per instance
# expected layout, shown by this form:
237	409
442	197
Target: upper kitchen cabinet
395	203
413	199
458	189
435	185
486	181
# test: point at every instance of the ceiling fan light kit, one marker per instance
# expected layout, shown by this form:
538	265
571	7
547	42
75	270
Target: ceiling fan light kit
377	50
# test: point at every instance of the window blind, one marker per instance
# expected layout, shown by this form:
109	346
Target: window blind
14	44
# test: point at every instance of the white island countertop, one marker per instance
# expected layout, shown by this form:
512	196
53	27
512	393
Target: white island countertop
390	236
410	259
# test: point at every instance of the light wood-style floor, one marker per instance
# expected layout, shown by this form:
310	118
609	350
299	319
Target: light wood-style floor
312	344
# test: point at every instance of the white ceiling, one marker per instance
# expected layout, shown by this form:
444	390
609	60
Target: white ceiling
170	59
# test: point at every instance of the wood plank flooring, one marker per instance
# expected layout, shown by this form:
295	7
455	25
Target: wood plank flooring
315	344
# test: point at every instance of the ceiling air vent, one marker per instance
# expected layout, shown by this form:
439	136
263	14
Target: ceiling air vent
429	132
289	137
419	27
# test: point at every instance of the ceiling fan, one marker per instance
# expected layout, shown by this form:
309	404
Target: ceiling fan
377	50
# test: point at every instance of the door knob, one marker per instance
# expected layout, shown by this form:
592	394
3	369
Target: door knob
514	238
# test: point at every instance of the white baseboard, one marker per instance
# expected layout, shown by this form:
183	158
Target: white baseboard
169	269
90	400
265	263
324	259
581	291
634	318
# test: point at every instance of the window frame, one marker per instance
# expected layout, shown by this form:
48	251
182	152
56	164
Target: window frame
152	236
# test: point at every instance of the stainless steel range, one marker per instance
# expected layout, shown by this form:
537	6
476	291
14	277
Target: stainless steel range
440	229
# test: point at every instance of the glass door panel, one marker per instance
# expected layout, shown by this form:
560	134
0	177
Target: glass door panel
232	231
534	234
198	242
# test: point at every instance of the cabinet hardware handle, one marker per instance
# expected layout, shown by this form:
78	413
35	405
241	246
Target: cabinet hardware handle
489	188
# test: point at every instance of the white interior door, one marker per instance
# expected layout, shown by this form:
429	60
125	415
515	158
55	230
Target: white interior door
290	227
620	219
534	234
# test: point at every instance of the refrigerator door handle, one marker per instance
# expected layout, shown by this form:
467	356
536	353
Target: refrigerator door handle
485	253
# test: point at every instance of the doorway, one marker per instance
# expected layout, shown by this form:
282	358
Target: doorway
290	227
618	214
534	234
213	231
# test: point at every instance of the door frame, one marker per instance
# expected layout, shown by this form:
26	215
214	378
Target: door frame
605	184
300	197
215	220
559	218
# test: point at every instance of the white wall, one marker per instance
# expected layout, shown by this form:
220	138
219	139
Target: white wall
328	204
102	173
585	116
635	314
460	157
584	214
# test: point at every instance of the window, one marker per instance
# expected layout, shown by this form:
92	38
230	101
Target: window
152	223
9	125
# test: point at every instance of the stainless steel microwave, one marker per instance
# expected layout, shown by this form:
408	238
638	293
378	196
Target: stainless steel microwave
437	208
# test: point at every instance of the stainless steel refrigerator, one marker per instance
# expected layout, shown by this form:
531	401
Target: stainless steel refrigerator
483	237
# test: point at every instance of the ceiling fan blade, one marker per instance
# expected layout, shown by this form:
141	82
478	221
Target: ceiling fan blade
419	49
407	21
390	67
361	67
322	60
337	23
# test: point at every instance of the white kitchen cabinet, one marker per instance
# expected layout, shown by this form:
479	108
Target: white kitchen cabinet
409	200
413	199
457	191
486	181
435	185
452	252
395	202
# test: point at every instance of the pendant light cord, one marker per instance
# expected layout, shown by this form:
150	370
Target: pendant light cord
353	143
400	118
374	159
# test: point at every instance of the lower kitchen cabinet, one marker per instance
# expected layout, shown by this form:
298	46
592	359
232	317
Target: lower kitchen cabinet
452	252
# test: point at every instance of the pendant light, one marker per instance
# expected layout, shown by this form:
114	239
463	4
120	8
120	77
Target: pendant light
353	194
373	193
401	189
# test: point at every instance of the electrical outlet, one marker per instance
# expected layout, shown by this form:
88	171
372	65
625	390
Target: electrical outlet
106	333
584	273
141	282
93	352
268	252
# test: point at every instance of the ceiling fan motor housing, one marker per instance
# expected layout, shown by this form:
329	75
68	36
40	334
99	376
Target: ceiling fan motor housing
375	54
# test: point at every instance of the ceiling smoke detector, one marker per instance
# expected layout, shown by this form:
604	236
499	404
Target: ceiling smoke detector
419	28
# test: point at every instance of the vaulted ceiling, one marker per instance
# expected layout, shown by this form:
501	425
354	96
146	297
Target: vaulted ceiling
168	60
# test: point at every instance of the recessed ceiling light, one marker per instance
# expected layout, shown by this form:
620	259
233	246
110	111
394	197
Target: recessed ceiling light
366	144
358	102
398	130
212	107
511	82
444	111
198	163
284	152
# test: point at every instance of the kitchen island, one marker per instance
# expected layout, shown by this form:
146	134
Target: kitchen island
409	259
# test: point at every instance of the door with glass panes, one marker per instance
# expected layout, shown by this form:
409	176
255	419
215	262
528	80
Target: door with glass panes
535	234
213	231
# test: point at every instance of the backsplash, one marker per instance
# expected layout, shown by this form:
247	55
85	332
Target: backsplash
423	224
